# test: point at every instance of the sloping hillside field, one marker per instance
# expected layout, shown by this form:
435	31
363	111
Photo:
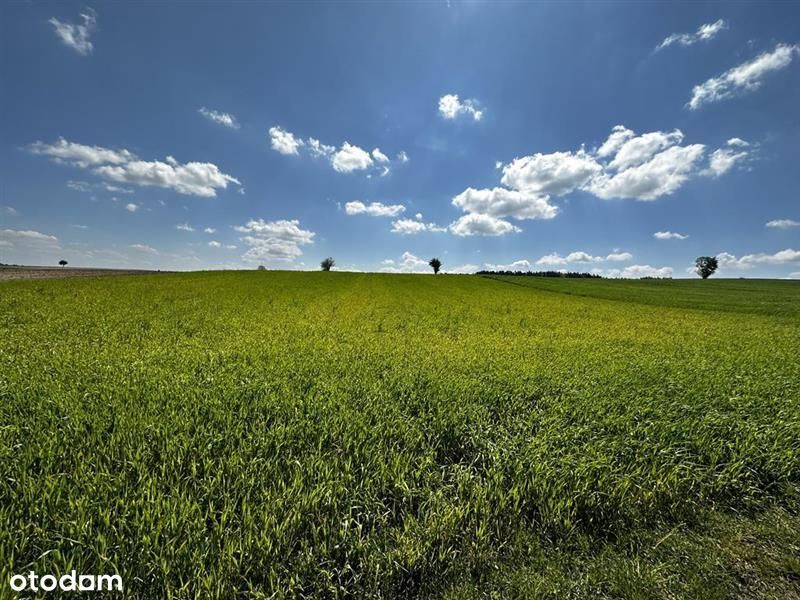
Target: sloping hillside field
274	434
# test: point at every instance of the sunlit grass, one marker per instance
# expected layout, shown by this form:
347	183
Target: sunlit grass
322	434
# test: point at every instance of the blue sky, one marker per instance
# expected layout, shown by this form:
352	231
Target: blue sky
625	138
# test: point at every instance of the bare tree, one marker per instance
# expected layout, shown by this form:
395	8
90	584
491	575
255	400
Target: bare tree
435	264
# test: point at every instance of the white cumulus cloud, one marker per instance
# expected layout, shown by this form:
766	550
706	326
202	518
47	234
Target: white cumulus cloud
122	166
669	235
283	141
501	202
351	158
636	272
581	257
79	154
662	175
517	265
451	106
408	263
783	257
373	209
412	226
274	240
723	160
481	224
557	173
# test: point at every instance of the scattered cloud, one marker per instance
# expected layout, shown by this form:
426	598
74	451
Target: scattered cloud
704	33
501	202
466	269
144	248
373	209
408	263
379	156
730	261
117	189
638	149
580	257
626	165
131	207
735	141
122	166
27	236
318	149
209	230
348	158
274	240
723	160
79	186
284	142
9	210
85	186
412	226
517	265
669	235
81	155
635	272
557	173
619	256
215	244
783	223
747	77
78	36
351	158
450	107
184	227
661	175
481	224
221	118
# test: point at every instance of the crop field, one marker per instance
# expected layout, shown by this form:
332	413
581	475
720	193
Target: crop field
314	435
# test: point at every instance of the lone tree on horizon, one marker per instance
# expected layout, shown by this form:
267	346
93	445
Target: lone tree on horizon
435	264
327	264
63	263
706	266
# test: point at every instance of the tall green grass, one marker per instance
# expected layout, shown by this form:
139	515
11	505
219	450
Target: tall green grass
311	435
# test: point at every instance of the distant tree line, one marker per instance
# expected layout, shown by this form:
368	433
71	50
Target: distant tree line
568	274
705	266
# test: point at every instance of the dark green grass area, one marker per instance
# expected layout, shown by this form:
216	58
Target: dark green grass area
761	296
306	435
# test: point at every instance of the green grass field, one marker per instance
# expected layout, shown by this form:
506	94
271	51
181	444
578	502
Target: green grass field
305	435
